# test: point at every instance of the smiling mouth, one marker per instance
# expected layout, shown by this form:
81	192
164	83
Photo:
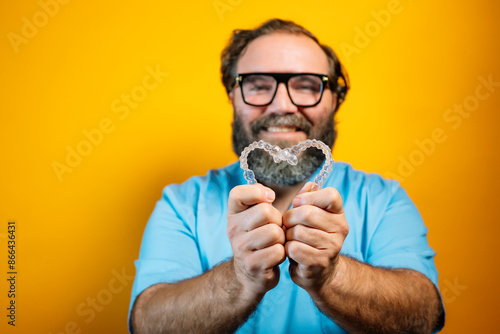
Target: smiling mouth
276	129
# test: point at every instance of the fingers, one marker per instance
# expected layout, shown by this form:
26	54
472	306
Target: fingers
310	236
328	199
311	266
264	259
317	218
305	255
244	196
315	232
259	215
253	218
308	245
306	188
260	238
256	235
249	208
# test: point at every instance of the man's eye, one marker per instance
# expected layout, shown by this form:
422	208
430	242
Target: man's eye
259	88
307	88
305	84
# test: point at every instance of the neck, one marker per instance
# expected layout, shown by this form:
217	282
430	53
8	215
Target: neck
284	195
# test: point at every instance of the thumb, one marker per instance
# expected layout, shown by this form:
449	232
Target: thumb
308	187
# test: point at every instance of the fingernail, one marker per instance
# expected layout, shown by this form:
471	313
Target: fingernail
270	195
297	201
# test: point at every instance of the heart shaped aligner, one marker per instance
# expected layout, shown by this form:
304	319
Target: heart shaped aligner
289	155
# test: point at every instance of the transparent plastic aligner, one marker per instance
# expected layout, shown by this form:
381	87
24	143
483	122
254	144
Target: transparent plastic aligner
289	155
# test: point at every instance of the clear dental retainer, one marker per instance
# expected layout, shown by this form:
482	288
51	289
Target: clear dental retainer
289	155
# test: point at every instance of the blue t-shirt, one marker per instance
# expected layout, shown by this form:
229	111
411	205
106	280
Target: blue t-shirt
186	236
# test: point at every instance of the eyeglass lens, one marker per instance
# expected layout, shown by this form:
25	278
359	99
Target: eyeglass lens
304	90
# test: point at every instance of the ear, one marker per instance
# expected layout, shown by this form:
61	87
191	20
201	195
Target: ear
335	101
231	96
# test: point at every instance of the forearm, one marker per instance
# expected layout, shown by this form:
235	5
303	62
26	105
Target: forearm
211	303
361	298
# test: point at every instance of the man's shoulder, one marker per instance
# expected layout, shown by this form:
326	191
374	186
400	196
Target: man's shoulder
220	178
346	177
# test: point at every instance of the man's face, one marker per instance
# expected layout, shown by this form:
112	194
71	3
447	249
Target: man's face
282	123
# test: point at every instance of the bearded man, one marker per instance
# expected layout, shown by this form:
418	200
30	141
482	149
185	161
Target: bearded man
220	256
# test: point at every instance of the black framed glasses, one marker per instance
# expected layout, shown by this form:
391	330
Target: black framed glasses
304	89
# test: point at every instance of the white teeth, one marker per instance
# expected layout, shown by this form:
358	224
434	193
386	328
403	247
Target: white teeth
281	129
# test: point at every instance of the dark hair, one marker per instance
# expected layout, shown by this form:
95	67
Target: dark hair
339	81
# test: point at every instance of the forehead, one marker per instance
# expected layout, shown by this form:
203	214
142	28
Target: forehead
283	52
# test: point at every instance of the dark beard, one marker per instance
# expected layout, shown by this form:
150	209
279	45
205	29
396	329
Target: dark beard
283	174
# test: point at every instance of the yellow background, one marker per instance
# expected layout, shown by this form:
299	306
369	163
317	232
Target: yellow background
75	235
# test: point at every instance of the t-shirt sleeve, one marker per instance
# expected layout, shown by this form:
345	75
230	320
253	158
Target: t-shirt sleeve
400	240
169	250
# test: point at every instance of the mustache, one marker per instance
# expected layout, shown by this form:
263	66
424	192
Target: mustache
300	122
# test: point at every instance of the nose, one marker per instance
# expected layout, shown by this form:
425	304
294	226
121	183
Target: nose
281	103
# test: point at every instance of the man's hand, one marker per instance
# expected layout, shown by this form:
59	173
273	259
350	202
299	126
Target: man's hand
315	231
257	238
